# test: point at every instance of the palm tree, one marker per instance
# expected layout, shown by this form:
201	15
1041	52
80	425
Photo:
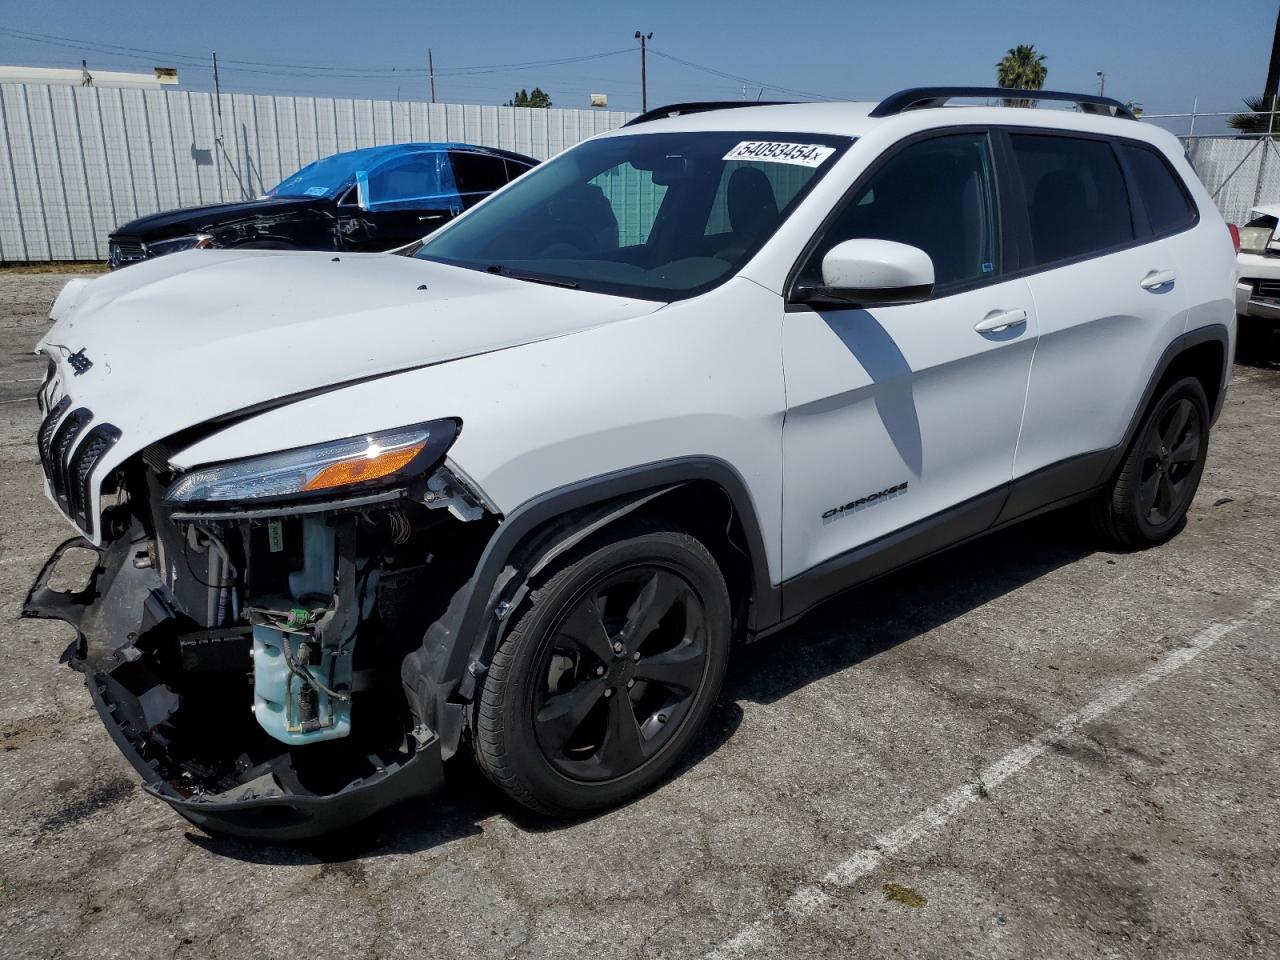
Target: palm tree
1259	122
1022	68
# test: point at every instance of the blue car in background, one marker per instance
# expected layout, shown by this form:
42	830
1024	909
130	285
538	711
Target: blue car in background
373	199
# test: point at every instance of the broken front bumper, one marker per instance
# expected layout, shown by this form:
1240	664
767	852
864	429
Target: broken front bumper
123	605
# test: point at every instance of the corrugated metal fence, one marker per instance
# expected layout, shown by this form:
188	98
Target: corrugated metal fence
75	162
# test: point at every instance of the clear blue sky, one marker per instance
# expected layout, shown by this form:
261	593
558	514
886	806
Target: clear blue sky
1160	54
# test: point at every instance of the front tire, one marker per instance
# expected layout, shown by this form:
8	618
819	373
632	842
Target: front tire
1146	502
607	674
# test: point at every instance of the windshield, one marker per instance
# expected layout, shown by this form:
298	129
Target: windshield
659	216
324	178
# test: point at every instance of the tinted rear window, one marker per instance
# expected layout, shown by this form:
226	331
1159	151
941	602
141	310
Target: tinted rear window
478	172
1163	195
1075	193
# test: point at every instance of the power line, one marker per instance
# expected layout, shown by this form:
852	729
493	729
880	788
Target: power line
737	79
335	70
464	77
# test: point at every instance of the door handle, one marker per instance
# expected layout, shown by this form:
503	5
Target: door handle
1158	278
432	216
1000	320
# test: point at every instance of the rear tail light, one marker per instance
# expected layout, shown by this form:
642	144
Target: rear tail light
1235	235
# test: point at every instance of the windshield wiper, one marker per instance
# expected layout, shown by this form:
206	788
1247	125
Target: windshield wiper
502	271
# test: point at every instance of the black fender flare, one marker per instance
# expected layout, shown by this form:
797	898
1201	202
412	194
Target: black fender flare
457	655
1215	332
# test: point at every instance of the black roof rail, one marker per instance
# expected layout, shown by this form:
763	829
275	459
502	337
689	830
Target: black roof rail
699	106
918	98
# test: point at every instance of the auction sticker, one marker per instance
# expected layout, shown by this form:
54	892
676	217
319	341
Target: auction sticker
769	151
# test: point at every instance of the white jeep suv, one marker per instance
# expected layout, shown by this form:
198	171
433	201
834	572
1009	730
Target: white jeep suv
521	492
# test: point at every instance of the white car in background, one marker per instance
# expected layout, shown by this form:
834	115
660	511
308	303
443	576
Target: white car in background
1258	277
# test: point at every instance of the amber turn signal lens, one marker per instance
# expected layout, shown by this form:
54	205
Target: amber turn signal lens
359	470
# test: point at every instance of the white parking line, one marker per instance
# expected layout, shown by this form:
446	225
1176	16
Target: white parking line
806	900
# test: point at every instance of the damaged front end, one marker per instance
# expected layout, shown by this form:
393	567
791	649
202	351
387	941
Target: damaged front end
258	658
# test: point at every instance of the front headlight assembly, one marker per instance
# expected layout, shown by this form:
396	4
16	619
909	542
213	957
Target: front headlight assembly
338	468
195	241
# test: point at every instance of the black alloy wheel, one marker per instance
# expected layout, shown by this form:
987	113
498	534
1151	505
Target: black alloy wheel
1169	461
607	673
620	673
1146	501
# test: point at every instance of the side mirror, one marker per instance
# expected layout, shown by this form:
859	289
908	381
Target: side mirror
871	273
362	189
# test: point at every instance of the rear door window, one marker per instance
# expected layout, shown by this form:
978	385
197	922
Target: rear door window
478	172
408	181
515	169
1075	193
1168	207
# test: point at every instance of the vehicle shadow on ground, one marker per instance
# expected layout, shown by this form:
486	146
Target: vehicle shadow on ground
1260	352
838	635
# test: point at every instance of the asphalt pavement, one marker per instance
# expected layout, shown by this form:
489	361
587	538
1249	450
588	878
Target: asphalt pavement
1026	747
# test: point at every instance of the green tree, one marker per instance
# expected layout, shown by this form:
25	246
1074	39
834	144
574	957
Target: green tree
1022	68
537	98
1257	123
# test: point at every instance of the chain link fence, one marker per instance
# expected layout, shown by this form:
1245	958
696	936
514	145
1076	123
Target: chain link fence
1239	173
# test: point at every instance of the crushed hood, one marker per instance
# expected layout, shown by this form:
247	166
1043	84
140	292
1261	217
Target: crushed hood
181	339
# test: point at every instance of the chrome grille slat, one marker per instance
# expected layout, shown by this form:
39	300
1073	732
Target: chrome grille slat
64	439
44	438
69	466
80	491
123	251
1269	289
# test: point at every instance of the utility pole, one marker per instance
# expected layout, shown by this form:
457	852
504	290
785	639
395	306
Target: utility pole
217	92
217	98
431	72
644	79
1102	84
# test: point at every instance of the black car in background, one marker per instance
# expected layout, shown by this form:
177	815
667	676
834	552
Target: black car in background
373	199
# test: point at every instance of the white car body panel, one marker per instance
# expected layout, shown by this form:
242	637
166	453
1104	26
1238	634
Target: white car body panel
1257	266
1206	267
900	394
699	378
152	331
1101	335
556	385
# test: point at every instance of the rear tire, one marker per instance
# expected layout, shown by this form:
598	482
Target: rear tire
1146	502
607	674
